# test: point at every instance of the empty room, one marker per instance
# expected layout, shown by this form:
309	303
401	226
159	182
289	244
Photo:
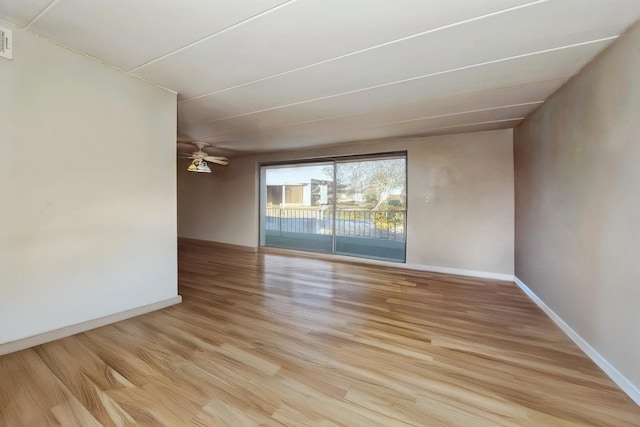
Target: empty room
320	213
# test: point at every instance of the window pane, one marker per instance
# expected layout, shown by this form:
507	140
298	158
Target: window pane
298	207
371	198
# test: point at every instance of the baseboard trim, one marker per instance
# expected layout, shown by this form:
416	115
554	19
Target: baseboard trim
461	272
627	386
212	244
405	266
56	334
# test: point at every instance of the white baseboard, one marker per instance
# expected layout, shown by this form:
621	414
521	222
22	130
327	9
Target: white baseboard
627	386
368	261
461	272
56	334
211	244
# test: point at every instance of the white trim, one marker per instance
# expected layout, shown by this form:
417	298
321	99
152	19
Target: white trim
460	272
624	383
212	244
56	334
381	263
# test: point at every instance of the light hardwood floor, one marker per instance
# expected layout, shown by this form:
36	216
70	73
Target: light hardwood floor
271	339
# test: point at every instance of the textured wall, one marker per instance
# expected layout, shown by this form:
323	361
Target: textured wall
468	223
577	169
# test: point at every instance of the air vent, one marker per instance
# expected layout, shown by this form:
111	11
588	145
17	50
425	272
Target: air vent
6	41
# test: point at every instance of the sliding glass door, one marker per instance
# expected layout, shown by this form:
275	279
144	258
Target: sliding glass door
297	206
347	206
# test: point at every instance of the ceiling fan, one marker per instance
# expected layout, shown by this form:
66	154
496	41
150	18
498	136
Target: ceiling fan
200	158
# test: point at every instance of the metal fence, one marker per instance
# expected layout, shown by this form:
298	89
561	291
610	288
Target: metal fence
354	223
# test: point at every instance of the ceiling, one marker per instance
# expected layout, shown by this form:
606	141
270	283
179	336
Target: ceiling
265	75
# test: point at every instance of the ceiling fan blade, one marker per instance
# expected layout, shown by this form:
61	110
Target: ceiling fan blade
212	158
219	160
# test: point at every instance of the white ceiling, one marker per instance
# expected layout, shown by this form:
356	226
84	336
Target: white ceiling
264	75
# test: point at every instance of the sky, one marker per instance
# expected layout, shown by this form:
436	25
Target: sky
279	175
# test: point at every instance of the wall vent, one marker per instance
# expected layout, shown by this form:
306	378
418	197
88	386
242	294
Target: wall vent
6	43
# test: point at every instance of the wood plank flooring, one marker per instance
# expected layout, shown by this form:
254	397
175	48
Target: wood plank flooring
272	339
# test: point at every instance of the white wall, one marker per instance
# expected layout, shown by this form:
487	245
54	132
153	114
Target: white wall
468	223
87	190
578	205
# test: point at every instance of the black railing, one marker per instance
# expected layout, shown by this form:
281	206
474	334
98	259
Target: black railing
355	223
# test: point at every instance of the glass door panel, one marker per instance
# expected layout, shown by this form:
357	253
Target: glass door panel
371	200
297	204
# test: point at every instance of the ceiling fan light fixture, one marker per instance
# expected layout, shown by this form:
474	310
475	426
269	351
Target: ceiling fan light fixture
199	165
204	167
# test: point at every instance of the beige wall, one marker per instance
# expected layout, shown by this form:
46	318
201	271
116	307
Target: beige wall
468	223
577	163
87	190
